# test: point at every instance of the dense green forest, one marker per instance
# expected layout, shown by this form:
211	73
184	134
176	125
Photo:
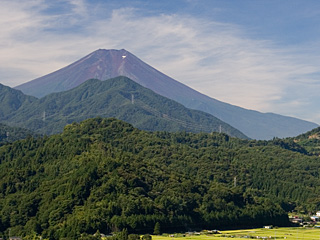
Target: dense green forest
119	97
105	175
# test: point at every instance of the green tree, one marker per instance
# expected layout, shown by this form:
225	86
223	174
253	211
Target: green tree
157	230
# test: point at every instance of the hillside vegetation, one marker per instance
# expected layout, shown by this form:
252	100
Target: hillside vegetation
11	100
118	97
104	174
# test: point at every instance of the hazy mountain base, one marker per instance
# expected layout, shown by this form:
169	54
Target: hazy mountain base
118	97
103	174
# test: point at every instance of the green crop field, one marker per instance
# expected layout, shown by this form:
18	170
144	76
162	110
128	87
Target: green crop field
259	233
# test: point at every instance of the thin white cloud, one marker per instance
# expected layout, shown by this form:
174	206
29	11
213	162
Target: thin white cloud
215	58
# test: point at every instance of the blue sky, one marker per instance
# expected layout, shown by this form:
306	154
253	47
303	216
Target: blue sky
258	54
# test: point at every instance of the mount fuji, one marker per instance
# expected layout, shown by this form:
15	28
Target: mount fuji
105	64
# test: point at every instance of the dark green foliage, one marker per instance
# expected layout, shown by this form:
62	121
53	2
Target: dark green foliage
105	175
157	230
133	236
119	97
11	134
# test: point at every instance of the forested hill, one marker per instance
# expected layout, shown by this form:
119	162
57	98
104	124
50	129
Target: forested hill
118	97
11	100
103	174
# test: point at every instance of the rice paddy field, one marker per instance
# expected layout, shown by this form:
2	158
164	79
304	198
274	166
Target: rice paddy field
259	233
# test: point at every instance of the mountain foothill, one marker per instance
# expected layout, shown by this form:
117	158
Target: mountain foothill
118	97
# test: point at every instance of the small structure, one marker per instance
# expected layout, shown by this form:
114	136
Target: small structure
314	218
192	233
318	213
268	227
296	220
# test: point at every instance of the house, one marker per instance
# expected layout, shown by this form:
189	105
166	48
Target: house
215	231
296	220
268	227
318	213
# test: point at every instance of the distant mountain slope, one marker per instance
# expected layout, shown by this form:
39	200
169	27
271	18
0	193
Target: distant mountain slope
104	64
118	97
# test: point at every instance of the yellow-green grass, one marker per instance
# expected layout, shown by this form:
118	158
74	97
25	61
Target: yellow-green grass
258	233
